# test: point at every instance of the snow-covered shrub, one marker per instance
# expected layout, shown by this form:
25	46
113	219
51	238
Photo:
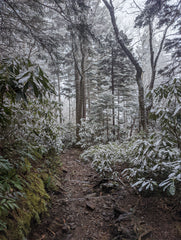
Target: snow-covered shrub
34	123
27	117
167	110
29	133
155	159
68	135
20	79
155	163
104	158
92	133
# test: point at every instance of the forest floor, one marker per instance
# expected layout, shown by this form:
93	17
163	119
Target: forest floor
87	207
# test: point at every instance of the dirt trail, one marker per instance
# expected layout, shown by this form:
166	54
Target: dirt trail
81	212
87	208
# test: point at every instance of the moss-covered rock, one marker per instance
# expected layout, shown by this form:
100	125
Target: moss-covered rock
50	182
31	207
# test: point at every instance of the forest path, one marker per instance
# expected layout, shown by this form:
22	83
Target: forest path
87	208
80	212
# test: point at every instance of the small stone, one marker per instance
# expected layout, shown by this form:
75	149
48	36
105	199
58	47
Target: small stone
91	195
125	232
118	211
106	219
145	235
104	214
123	217
65	229
64	170
107	187
105	206
72	226
90	206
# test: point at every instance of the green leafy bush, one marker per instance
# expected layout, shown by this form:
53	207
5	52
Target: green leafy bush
10	189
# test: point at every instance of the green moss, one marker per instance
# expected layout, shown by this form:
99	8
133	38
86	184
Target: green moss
3	237
49	182
31	207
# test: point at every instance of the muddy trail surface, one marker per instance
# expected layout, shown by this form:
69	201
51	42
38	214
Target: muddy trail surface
87	207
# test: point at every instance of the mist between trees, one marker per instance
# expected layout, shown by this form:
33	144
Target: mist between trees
70	74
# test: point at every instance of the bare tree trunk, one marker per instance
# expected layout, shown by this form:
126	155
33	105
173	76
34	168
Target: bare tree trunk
83	84
125	115
112	81
80	86
132	127
154	60
138	68
141	99
88	96
69	110
118	133
59	98
78	102
107	125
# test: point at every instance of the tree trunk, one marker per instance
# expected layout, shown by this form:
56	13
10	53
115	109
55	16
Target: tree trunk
141	99
138	68
59	98
154	59
112	81
107	124
118	123
80	86
88	96
78	102
69	110
132	127
83	81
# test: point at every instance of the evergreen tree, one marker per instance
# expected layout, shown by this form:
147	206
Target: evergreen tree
22	25
165	15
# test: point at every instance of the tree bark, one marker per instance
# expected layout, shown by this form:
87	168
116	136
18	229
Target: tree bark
118	119
59	98
83	83
113	88
78	103
80	85
88	96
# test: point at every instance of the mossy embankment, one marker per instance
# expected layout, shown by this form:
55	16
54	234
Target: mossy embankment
32	205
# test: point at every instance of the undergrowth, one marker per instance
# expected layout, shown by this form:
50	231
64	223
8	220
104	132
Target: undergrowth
153	158
29	142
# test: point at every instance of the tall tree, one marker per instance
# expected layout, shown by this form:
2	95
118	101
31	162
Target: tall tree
77	12
134	61
163	15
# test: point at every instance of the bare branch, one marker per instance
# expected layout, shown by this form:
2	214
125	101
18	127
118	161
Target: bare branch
28	27
137	6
